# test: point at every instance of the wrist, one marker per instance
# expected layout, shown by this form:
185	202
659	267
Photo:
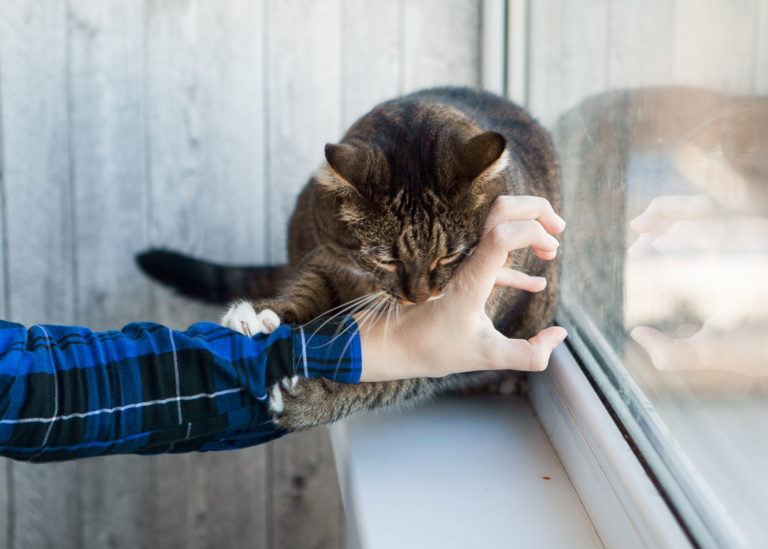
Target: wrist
386	353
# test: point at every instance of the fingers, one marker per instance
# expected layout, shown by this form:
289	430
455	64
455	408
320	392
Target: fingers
521	281
671	207
476	278
545	255
543	344
667	354
697	234
524	208
527	356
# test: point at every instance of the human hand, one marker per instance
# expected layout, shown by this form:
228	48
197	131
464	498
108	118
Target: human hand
732	337
674	222
744	351
453	334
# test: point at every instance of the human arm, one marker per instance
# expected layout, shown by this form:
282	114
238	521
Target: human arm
67	392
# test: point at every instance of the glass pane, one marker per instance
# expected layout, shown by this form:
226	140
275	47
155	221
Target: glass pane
661	122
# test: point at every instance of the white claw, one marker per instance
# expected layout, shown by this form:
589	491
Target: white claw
276	399
242	318
269	321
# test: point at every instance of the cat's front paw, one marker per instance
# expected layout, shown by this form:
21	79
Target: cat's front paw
302	404
243	318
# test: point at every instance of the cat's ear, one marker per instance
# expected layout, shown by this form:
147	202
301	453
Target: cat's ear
348	164
481	152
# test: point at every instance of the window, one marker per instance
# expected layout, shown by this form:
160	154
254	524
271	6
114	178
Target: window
659	115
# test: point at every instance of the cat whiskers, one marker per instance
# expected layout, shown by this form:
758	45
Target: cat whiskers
371	249
386	327
366	316
348	309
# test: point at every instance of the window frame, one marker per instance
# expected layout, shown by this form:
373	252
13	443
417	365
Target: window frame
611	478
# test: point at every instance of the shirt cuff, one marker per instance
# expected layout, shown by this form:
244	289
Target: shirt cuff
328	348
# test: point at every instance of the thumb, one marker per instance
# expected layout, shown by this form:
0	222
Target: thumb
528	356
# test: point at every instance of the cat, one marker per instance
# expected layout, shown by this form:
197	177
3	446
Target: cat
395	209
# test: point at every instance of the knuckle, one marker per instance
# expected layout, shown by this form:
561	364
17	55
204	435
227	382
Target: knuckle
532	227
496	235
536	363
501	203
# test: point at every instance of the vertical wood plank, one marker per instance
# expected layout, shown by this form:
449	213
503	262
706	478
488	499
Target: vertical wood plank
206	138
715	44
304	82
568	55
110	188
493	32
5	465
117	499
441	43
37	193
219	500
45	506
761	58
205	119
179	492
36	161
305	104
641	35
370	56
6	502
517	51
108	161
307	502
3	217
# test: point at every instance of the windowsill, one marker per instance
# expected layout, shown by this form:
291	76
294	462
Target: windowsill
469	472
458	472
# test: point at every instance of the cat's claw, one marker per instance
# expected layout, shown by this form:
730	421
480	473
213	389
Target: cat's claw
243	318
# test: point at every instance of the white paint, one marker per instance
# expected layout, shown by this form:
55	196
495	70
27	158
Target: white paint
457	473
625	507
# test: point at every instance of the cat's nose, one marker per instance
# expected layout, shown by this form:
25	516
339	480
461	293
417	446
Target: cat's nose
418	291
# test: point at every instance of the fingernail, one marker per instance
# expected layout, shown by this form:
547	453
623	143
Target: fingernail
555	242
562	221
561	338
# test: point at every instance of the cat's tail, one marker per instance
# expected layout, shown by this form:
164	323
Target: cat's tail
208	281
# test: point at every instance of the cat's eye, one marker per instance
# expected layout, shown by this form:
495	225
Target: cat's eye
445	260
390	264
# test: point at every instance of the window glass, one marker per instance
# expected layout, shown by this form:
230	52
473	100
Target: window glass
660	118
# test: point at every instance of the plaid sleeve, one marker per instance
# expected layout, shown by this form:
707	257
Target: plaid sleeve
328	348
68	393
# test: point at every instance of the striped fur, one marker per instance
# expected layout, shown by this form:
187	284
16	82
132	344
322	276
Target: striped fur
394	209
408	190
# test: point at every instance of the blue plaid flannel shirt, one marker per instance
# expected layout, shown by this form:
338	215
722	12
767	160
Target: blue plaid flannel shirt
68	393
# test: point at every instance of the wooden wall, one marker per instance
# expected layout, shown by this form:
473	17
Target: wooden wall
581	48
189	124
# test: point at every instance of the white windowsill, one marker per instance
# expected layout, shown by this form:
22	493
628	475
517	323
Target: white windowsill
624	505
468	472
458	472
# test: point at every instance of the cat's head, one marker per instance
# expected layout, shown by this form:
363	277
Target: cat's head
403	198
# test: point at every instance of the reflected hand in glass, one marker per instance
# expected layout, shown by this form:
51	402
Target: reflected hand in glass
727	340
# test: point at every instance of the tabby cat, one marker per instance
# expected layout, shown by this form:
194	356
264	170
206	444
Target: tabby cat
391	214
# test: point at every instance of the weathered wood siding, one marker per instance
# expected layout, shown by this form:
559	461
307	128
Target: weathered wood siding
581	48
189	124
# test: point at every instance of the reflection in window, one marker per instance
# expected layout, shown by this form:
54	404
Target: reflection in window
665	274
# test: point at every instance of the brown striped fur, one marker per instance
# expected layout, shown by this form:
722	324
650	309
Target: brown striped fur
395	208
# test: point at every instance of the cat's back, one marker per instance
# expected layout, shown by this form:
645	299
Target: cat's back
533	161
